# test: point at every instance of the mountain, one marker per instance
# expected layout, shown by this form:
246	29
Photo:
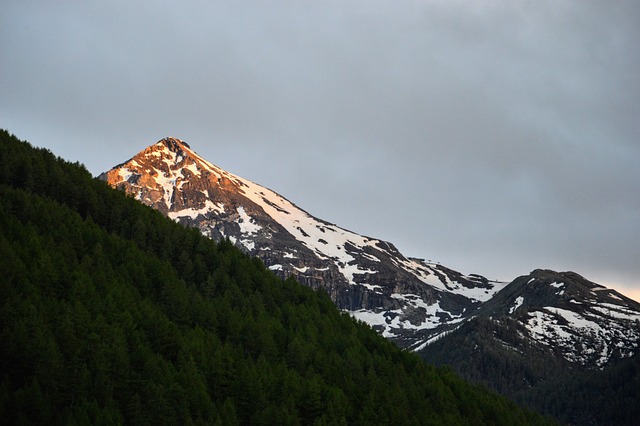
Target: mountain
112	313
569	316
515	337
556	342
410	301
407	300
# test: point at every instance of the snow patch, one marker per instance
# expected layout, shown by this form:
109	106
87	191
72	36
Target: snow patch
249	244
574	319
371	287
125	174
616	311
518	303
246	222
167	183
209	206
193	168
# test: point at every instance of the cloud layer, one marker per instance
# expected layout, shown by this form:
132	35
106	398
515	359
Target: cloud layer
496	137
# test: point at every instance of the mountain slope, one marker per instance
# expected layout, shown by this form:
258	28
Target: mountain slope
113	314
407	300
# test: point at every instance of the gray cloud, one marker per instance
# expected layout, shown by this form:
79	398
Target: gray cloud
496	136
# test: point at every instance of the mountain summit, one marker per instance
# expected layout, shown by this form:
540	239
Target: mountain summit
411	301
408	300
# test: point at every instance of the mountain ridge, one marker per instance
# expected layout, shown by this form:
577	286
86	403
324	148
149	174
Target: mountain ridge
409	300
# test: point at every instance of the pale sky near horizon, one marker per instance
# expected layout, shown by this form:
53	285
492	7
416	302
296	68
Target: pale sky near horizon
496	137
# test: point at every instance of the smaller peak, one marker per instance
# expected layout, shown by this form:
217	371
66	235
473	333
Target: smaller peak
550	276
543	275
541	271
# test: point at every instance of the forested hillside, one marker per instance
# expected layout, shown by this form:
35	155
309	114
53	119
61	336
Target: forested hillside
110	313
593	397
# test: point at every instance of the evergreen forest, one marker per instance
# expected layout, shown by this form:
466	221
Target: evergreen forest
111	313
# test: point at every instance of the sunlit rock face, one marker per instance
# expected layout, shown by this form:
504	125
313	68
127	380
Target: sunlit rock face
411	301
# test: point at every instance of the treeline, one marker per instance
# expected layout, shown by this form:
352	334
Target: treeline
112	314
491	353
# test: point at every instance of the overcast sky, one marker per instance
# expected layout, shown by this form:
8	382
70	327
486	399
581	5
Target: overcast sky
493	136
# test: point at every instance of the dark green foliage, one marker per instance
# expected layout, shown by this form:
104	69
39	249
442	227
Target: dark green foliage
593	397
492	353
110	313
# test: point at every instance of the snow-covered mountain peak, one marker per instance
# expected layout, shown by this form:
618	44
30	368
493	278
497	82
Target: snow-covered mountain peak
177	154
570	316
406	299
173	144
